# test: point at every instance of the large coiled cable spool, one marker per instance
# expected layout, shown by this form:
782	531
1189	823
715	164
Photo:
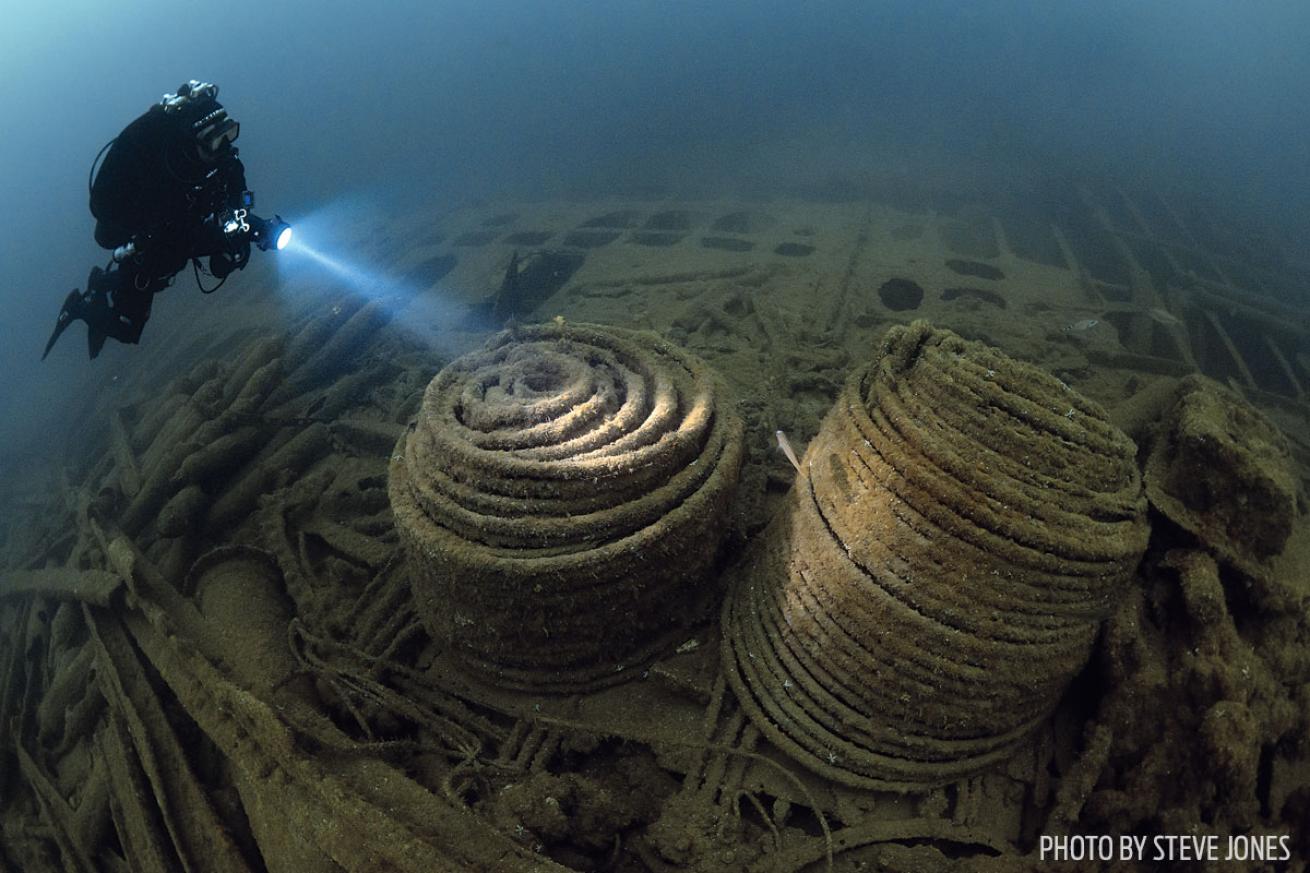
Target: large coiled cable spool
961	525
561	498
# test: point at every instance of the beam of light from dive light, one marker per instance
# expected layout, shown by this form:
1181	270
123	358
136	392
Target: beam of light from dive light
332	243
355	277
328	239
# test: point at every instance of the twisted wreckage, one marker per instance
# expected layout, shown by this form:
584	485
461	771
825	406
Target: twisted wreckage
561	609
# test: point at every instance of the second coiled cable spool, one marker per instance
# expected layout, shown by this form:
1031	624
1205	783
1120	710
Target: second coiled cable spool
962	523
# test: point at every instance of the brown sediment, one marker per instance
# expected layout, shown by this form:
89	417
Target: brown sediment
962	524
561	498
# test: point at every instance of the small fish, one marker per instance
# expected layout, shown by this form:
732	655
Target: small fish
785	445
1080	326
1168	319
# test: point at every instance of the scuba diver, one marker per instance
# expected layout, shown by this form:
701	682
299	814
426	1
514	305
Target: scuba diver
170	190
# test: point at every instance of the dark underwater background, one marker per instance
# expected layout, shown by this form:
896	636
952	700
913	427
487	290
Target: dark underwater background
389	105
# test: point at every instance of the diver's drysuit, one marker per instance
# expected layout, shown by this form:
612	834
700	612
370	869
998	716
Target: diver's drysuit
170	189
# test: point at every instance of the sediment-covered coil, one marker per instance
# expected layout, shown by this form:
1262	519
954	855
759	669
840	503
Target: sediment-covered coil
961	524
561	498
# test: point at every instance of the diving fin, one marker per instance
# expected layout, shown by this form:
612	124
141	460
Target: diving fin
73	309
95	338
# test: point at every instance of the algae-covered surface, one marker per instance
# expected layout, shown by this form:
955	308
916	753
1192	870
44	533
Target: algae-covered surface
221	649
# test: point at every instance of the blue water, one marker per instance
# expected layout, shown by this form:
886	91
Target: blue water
442	102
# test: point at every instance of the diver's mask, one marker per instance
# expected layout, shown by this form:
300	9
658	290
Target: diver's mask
215	133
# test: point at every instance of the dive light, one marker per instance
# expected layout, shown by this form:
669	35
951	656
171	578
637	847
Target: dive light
270	233
125	251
